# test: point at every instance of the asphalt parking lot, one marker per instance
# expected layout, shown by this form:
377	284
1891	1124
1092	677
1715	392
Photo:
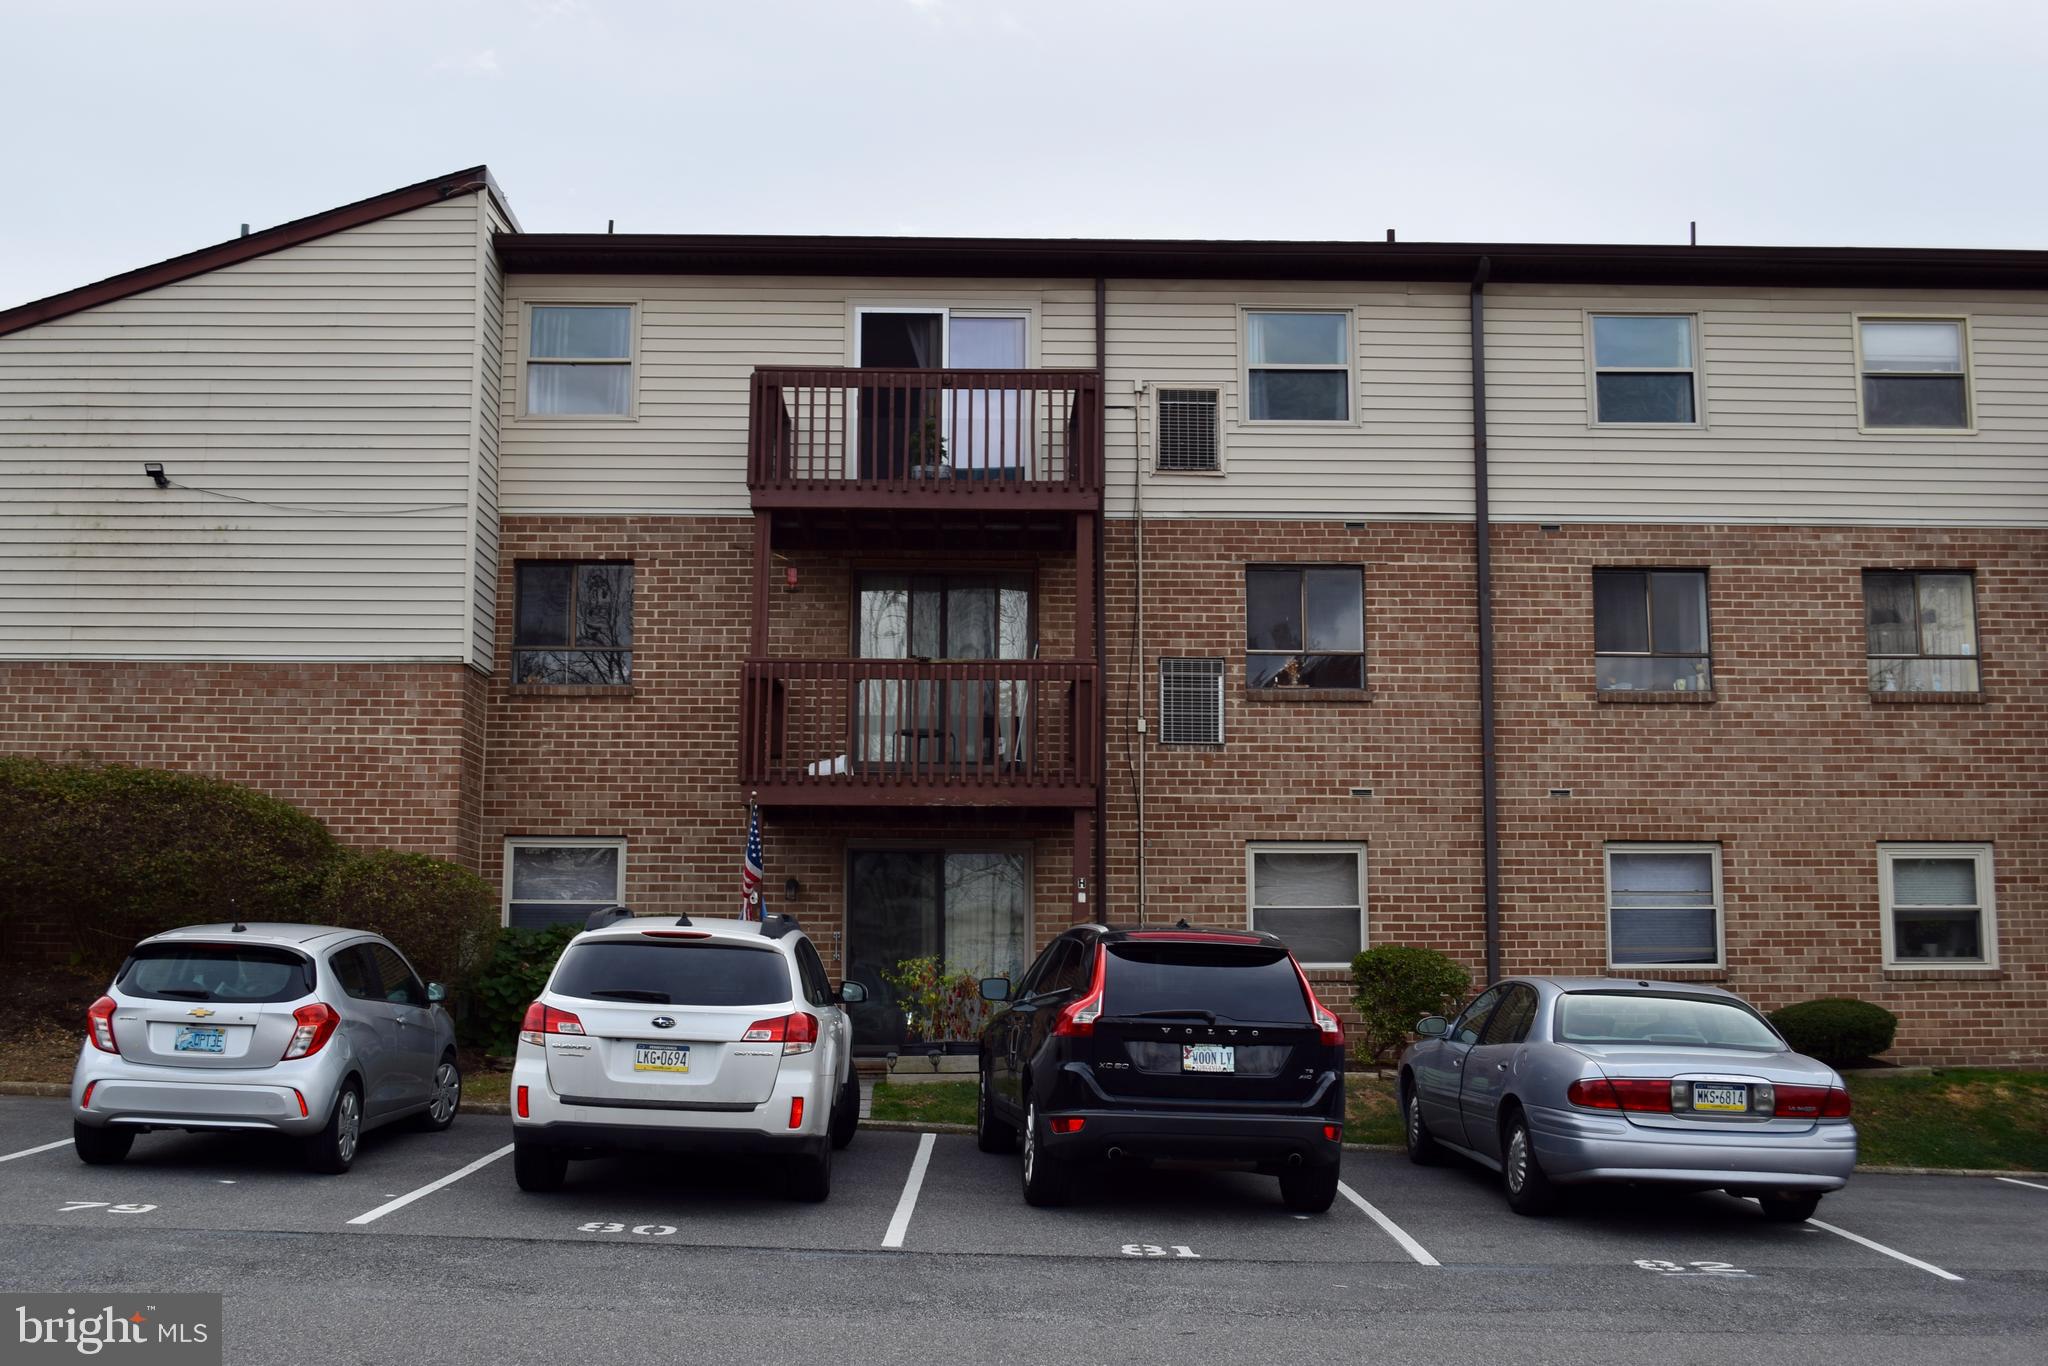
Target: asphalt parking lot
918	1222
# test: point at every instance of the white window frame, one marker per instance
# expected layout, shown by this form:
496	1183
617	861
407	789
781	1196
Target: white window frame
631	362
1594	370
1962	321
1150	436
1713	850
1245	368
1251	887
1987	904
513	842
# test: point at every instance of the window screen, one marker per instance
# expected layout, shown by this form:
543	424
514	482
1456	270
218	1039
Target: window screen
1190	701
1313	899
1662	907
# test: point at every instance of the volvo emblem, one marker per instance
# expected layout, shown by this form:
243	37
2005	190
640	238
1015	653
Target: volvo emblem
663	1022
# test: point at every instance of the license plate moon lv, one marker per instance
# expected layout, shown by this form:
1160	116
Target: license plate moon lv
661	1057
1208	1057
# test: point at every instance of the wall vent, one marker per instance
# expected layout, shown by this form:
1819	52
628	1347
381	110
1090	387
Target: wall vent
1189	431
1190	701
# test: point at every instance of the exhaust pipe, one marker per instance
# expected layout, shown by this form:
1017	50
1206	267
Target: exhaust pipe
1115	1153
1294	1159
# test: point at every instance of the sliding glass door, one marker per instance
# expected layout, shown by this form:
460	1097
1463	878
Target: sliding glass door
942	617
923	926
934	434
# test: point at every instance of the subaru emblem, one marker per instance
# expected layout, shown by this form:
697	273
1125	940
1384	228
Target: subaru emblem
664	1022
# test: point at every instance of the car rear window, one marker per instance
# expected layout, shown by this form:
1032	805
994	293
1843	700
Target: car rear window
672	974
1241	982
227	973
1625	1017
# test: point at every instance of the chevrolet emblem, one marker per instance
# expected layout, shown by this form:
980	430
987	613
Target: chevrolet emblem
200	1011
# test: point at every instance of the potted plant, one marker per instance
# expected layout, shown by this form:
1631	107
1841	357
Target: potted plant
928	458
942	1009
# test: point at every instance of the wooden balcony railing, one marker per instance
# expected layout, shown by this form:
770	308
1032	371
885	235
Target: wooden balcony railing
910	732
992	438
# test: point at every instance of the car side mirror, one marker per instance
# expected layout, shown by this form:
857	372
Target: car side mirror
1432	1026
436	993
995	988
852	993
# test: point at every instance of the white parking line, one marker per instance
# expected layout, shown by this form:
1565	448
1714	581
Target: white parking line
450	1179
31	1152
2009	1180
1928	1267
899	1223
1393	1230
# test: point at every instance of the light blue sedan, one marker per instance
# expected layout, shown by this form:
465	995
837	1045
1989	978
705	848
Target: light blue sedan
1560	1081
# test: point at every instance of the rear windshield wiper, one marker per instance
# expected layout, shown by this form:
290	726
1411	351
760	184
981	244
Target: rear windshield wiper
184	993
659	998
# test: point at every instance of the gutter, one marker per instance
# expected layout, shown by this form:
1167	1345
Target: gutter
1482	564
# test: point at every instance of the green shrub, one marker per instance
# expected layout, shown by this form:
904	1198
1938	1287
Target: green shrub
1396	986
442	915
111	853
1837	1029
518	968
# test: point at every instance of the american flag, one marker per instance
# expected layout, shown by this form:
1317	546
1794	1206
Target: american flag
751	872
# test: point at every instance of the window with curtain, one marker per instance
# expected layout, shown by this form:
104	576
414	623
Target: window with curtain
549	881
1643	369
1304	626
1298	366
573	623
1663	905
579	360
1650	630
1313	897
1937	905
1915	373
1922	631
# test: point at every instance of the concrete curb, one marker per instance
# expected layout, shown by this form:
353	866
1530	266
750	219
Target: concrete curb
35	1088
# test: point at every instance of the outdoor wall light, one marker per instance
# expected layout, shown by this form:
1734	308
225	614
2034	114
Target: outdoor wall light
791	889
156	472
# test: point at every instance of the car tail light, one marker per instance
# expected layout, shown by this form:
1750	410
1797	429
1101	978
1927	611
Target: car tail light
316	1024
1643	1095
796	1112
796	1033
1811	1102
542	1020
1327	1023
99	1021
85	1101
1333	1132
1077	1018
1068	1124
522	1104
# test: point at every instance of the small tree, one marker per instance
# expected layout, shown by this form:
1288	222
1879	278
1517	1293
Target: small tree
1396	986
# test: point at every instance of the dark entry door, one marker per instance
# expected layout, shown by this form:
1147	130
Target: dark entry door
900	425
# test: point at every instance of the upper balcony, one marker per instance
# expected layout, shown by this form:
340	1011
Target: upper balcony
985	443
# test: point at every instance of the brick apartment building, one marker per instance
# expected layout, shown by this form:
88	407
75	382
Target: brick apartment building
1680	612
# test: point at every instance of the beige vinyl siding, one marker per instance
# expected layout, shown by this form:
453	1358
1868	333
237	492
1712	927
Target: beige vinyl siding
1407	452
483	535
340	373
1779	440
700	339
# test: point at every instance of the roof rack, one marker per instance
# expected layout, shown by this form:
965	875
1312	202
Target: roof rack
610	915
775	924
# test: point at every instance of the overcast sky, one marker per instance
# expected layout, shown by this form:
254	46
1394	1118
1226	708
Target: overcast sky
143	130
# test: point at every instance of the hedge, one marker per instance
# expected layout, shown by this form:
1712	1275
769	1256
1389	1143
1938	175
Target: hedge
1837	1029
518	968
442	915
1396	985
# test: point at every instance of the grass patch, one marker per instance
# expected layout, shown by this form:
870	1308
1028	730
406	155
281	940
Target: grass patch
486	1081
925	1102
1958	1117
1371	1113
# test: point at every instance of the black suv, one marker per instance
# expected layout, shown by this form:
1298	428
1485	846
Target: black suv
1181	1043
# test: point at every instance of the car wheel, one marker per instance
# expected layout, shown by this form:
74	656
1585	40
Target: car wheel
1309	1190
1529	1190
991	1135
332	1151
538	1169
1423	1149
810	1180
447	1096
846	1111
1048	1180
1790	1208
100	1147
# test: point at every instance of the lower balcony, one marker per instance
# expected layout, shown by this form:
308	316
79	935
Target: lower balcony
902	732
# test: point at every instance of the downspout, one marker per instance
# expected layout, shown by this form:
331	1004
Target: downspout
1138	693
1101	599
1482	560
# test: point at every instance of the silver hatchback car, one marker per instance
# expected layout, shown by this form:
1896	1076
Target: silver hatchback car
1556	1081
304	1030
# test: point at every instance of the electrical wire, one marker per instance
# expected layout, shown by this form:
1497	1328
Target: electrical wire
315	509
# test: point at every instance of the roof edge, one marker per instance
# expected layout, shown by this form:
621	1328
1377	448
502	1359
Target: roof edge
239	249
